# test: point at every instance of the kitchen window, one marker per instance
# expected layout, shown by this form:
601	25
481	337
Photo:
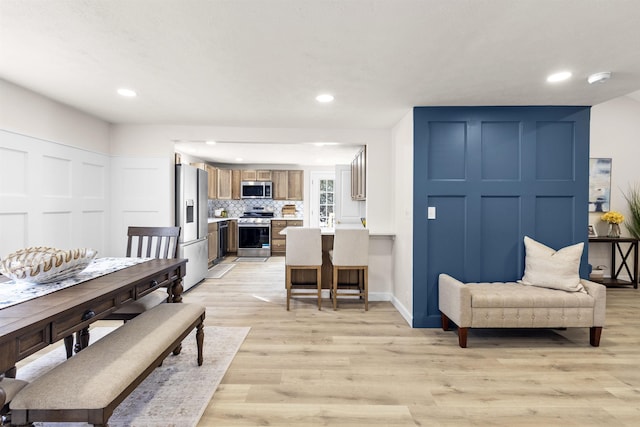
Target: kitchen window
326	205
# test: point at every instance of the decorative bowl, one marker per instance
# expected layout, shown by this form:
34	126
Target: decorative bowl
42	264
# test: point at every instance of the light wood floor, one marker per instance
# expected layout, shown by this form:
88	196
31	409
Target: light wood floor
346	368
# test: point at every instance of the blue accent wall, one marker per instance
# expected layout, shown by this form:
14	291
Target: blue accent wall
494	175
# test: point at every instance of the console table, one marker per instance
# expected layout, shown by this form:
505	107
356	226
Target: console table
628	260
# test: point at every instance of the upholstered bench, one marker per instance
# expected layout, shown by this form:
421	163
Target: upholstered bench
90	385
9	387
516	305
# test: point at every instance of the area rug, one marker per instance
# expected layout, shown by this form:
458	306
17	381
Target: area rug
176	394
219	270
250	259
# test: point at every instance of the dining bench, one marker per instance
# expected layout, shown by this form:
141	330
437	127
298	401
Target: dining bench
90	385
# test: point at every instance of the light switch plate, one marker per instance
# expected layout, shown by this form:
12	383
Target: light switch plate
431	212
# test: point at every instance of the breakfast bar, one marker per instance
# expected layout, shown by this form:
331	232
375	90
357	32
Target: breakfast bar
345	276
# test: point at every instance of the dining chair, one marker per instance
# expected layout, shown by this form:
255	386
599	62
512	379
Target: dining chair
303	252
142	242
148	242
350	252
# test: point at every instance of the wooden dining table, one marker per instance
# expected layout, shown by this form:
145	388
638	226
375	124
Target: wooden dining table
30	326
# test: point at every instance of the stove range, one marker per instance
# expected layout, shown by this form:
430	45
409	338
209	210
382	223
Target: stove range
256	217
254	233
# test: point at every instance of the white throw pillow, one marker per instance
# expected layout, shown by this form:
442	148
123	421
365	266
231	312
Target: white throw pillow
547	268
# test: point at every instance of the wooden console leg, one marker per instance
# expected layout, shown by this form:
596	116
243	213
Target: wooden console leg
68	345
462	337
594	335
445	321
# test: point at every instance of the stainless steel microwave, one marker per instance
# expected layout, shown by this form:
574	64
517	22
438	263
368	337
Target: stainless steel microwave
256	189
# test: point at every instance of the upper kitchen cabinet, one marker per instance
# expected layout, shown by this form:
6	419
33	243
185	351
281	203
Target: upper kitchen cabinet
225	184
288	185
359	175
212	172
280	181
236	178
256	175
295	186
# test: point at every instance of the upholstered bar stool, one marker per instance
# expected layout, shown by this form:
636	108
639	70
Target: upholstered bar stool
304	252
350	252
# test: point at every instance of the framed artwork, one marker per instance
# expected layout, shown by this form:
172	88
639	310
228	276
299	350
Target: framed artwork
592	231
599	184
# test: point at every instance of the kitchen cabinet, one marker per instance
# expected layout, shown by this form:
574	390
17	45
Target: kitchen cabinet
224	184
295	185
236	178
212	191
232	238
249	175
213	242
280	181
279	242
263	175
359	175
288	185
256	175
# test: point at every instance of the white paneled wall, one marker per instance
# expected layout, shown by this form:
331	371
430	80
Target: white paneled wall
142	196
51	195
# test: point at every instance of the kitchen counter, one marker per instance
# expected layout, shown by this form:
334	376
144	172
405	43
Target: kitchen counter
331	231
212	220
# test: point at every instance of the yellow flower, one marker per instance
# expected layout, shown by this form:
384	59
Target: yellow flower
612	217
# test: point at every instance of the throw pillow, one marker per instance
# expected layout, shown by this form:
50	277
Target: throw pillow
548	268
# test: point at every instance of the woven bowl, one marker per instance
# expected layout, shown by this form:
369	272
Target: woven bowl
43	264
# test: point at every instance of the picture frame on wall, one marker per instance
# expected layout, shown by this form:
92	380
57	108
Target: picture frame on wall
592	231
599	184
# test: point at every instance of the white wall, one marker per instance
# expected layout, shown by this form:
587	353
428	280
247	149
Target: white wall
615	134
54	174
27	113
52	195
402	172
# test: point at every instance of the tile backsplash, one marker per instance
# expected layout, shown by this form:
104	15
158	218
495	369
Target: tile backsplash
235	208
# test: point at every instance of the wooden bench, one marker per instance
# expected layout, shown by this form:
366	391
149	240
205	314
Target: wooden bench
89	386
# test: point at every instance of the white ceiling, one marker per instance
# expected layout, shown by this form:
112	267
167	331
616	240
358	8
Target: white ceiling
256	63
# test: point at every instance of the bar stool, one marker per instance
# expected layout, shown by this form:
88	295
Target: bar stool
304	252
350	252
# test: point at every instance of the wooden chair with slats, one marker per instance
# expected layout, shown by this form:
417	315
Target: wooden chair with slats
148	242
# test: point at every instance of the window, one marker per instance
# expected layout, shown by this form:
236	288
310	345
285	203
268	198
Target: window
326	206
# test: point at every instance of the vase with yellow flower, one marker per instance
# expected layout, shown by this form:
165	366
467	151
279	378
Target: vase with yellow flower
614	219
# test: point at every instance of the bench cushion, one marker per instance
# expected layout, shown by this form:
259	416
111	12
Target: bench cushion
512	294
99	373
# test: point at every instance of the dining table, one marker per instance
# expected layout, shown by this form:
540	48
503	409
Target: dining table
31	325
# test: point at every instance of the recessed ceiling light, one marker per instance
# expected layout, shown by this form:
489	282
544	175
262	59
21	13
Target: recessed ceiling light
238	159
211	142
559	77
129	93
324	98
599	77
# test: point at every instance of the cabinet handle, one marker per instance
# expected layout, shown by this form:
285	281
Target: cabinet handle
154	283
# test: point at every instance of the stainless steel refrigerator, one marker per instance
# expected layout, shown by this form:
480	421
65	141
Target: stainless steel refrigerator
192	215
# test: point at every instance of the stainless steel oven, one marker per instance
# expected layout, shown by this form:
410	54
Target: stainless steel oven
254	237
